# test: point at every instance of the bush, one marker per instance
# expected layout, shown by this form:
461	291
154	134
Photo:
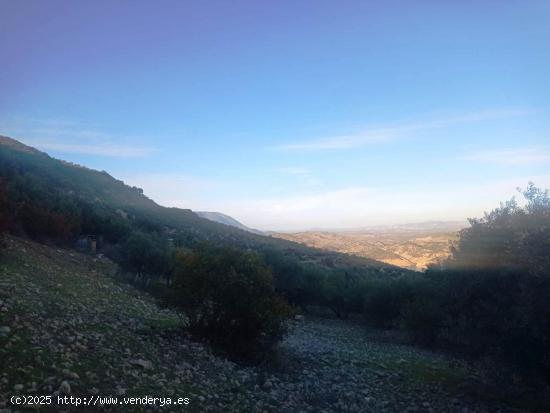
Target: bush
422	318
4	212
496	282
509	236
490	298
289	277
143	253
4	209
385	301
228	297
499	312
342	293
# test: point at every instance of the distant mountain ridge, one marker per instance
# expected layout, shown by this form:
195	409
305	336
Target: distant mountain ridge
423	226
427	226
226	220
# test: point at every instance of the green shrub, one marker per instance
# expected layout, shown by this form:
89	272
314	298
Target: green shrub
341	292
4	208
4	213
422	318
500	312
490	298
385	301
145	253
228	297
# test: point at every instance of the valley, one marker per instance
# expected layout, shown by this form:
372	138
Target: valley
412	247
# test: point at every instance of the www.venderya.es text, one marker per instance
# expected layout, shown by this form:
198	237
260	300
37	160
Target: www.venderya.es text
97	401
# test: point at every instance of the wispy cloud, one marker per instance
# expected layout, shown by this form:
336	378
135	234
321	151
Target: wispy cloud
354	207
512	156
65	136
399	130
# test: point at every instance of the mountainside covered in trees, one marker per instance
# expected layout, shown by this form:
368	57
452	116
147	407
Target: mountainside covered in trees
50	199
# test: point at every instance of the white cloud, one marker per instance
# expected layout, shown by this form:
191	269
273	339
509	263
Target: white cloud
512	156
361	206
400	130
346	207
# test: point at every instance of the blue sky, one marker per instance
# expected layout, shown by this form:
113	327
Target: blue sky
288	115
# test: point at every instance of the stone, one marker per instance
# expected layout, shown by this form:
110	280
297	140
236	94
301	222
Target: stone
65	387
145	364
71	375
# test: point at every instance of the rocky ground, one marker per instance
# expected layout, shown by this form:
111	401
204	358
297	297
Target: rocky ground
68	326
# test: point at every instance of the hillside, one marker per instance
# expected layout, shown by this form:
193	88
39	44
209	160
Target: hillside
69	326
51	198
409	248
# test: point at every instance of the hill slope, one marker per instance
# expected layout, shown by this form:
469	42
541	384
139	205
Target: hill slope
68	324
56	199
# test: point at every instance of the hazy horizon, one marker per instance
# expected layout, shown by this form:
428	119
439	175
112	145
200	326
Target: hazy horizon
288	116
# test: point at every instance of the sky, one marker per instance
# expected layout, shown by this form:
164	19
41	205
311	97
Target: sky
288	115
